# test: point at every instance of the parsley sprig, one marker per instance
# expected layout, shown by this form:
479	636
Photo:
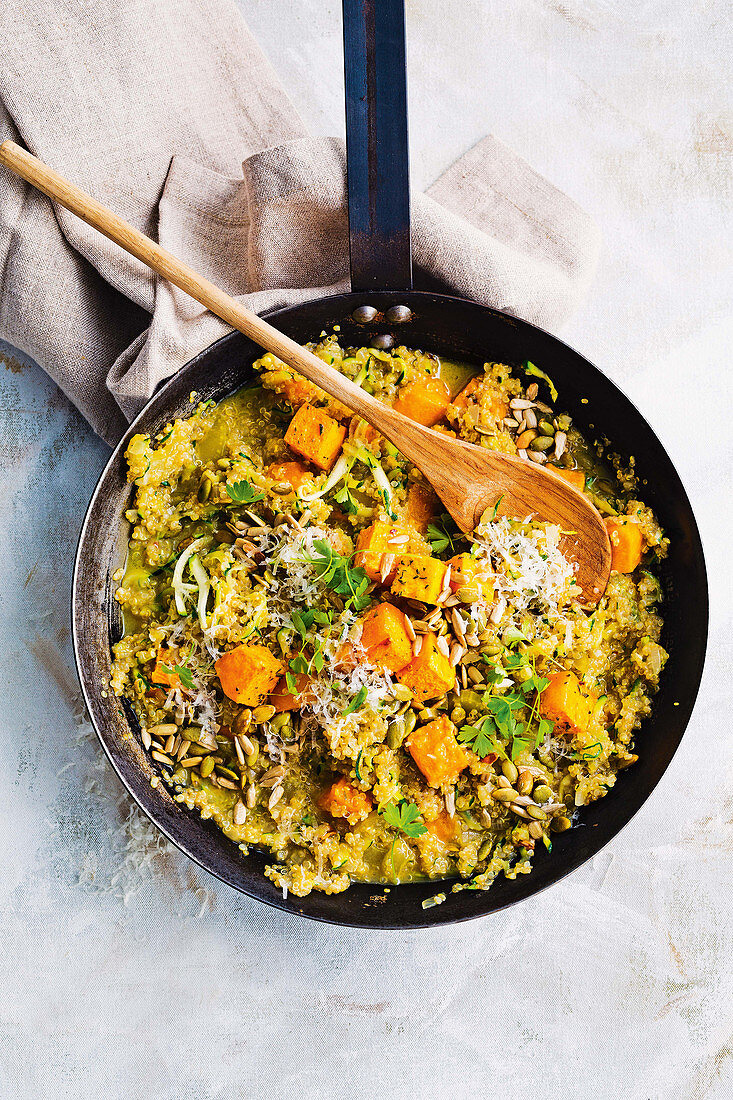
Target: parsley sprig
404	816
442	534
182	671
339	575
501	728
243	492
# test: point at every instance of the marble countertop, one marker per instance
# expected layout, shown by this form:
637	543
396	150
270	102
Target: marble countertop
123	978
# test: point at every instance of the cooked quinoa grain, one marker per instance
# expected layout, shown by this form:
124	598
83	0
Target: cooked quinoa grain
323	664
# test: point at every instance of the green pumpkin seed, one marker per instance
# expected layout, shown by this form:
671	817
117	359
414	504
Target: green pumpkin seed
536	813
491	649
542	443
546	427
485	850
542	793
504	794
263	714
204	491
466	594
280	720
510	771
525	782
251	757
227	772
207	766
395	733
560	824
402	693
457	715
535	830
470	700
410	721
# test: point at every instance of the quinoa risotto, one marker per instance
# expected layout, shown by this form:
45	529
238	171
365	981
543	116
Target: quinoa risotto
323	664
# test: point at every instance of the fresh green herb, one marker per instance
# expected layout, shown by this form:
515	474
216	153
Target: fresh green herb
358	762
530	368
243	492
404	816
338	575
358	701
481	738
346	500
442	534
183	672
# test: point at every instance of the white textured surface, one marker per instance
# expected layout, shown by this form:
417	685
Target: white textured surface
616	983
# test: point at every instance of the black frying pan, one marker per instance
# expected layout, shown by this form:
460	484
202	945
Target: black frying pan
381	278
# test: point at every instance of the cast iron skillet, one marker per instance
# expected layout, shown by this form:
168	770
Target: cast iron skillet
379	225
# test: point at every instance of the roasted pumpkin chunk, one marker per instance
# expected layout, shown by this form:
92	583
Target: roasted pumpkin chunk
283	699
566	703
316	436
373	543
465	572
419	577
420	507
343	799
430	674
385	638
575	478
248	673
627	543
436	751
424	400
295	473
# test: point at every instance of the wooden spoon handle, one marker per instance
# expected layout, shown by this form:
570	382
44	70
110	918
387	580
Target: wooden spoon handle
404	433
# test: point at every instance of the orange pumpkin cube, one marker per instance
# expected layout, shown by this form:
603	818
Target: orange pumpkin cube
316	436
566	704
385	638
166	658
436	751
343	799
295	473
282	699
248	674
627	543
477	391
465	572
430	674
444	827
419	577
424	400
420	508
576	478
373	543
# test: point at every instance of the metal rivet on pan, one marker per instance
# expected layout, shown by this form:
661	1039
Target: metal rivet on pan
363	314
382	343
397	315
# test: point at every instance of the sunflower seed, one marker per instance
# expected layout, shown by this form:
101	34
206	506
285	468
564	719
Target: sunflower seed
475	676
386	568
451	601
561	440
163	729
273	777
464	676
498	612
459	627
275	797
146	739
240	753
239	813
251	796
535	830
191	761
532	390
522	453
442	645
472	639
222	782
519	810
502	781
420	626
247	745
520	403
417	646
162	758
537	456
456	653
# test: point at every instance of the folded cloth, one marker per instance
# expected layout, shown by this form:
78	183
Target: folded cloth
168	112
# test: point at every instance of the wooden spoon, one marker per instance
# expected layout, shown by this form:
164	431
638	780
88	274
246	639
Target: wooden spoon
468	479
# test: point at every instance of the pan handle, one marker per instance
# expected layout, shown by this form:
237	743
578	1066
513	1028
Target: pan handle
377	161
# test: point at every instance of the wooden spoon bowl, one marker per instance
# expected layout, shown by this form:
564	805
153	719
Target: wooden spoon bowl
468	479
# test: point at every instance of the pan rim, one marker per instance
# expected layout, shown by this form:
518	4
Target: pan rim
372	919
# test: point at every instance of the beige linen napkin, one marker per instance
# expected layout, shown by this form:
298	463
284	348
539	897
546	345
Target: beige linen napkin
168	112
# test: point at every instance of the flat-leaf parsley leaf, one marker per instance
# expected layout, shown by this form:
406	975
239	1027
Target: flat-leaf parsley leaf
404	816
